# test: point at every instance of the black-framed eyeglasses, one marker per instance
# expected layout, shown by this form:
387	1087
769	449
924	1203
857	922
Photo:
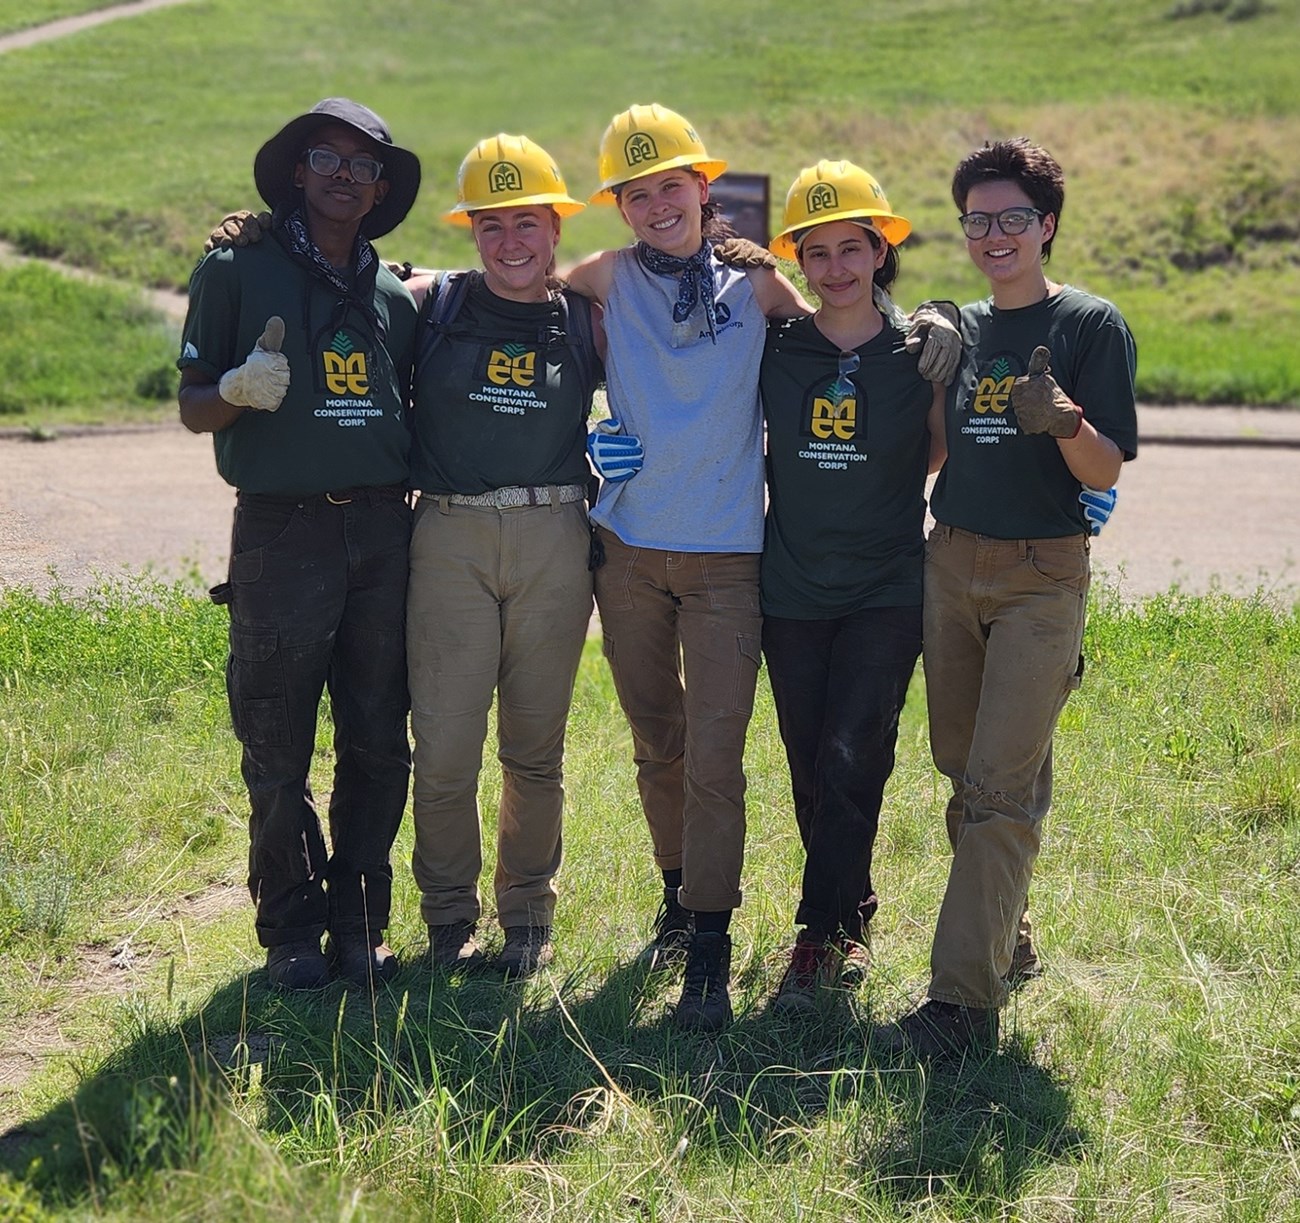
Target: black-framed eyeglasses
326	162
1010	221
842	389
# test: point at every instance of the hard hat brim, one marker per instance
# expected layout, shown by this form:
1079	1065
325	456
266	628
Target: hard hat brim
894	229
702	165
561	205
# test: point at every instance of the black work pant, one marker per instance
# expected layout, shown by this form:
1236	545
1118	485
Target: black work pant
839	686
317	600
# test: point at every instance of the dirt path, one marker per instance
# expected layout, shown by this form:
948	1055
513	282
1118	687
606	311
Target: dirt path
1208	502
83	21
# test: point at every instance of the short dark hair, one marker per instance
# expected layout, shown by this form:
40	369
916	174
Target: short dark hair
1030	166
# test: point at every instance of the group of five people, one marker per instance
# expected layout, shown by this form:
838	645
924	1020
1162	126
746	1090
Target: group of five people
332	389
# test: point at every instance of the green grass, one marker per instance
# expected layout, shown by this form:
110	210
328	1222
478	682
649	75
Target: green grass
1177	135
58	334
1153	1073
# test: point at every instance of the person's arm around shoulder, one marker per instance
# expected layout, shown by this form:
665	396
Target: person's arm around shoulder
935	424
593	276
777	298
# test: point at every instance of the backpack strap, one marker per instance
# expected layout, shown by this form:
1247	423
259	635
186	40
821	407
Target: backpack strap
575	318
438	311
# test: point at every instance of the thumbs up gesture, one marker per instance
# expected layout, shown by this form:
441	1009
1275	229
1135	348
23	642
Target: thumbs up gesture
263	380
1040	405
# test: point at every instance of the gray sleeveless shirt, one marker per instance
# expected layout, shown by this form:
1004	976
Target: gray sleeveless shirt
694	405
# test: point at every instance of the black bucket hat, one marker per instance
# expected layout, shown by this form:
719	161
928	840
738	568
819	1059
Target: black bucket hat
275	161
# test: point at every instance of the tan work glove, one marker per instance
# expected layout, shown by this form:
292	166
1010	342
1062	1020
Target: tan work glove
1040	405
935	335
263	380
238	229
742	254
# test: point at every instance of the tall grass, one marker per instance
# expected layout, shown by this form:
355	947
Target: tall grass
1153	1073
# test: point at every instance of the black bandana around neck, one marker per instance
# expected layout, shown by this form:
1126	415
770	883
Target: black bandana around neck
694	284
300	243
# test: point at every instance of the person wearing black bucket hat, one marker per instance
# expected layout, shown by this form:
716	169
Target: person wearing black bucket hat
297	358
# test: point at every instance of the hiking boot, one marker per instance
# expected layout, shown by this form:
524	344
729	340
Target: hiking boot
814	965
855	958
942	1030
363	959
1024	963
297	965
705	1005
527	951
454	947
672	934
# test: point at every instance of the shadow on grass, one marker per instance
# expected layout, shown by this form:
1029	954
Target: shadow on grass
475	1072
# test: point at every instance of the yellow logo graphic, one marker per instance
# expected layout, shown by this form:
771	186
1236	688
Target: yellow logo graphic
992	394
345	370
831	419
505	176
639	147
512	363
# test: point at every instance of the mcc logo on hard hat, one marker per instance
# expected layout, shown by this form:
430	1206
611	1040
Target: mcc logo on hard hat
643	140
509	172
836	191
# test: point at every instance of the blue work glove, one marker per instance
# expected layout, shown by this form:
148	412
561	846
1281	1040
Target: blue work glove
1098	505
614	454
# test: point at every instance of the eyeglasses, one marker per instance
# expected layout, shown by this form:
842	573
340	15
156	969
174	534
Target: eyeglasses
326	162
1010	221
842	389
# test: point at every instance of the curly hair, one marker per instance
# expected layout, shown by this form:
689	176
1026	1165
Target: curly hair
1030	166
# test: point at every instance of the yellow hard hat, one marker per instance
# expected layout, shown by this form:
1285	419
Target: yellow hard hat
509	172
644	140
836	191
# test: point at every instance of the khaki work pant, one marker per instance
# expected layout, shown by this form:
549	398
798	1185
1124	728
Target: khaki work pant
1003	629
499	599
682	633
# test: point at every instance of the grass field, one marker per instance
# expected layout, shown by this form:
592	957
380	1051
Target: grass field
1177	133
1153	1073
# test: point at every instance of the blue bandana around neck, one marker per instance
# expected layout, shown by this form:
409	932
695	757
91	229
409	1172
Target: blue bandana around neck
694	284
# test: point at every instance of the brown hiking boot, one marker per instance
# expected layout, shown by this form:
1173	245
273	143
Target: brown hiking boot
454	947
527	951
941	1031
297	965
814	965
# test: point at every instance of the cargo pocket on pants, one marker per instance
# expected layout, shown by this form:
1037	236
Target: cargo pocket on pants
749	653
255	686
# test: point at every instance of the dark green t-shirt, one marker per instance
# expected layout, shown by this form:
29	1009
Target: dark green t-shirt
846	493
998	481
343	422
500	402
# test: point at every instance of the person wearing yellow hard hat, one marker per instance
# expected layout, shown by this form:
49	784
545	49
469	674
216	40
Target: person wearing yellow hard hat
853	428
1043	403
500	589
678	591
